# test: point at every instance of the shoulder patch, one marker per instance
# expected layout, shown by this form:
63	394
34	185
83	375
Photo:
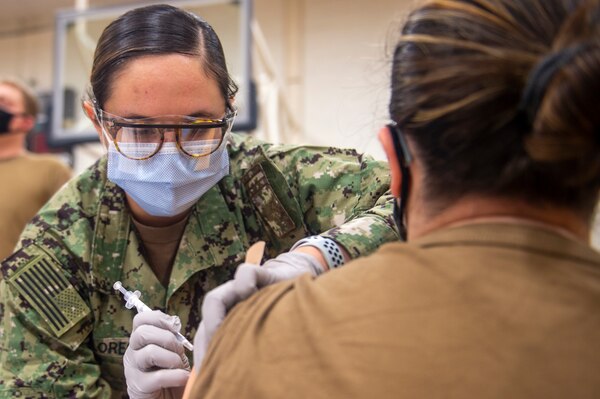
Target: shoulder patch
49	292
266	202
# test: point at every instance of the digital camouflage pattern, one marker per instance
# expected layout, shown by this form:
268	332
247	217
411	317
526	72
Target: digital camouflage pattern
64	330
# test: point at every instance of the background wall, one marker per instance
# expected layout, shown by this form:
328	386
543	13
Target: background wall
327	57
333	60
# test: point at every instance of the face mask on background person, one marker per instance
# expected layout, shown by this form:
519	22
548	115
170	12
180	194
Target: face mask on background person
170	182
5	119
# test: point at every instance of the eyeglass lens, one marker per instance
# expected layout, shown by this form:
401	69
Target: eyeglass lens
143	141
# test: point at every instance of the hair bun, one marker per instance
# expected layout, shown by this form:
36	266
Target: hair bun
561	100
540	77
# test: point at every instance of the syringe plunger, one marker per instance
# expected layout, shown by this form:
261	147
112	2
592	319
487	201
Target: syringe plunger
133	299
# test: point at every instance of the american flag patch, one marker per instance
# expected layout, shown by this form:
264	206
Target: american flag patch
49	292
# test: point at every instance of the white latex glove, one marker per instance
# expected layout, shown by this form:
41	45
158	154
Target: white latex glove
155	363
248	279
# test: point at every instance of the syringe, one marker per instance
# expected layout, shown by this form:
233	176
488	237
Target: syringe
133	299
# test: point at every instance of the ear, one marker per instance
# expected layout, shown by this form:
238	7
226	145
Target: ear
88	108
232	101
385	139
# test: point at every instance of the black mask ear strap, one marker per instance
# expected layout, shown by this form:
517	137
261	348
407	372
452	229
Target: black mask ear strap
404	159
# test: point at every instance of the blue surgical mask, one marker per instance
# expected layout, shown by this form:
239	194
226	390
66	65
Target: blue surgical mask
168	183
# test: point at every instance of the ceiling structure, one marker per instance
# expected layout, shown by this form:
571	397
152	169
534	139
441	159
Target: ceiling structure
22	16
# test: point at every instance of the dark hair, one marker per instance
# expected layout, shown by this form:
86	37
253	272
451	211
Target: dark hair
154	30
459	74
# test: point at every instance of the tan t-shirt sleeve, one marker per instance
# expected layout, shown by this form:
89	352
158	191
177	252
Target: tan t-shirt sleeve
231	345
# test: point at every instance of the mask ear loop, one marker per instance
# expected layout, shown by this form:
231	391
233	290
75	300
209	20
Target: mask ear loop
108	139
404	160
229	127
90	98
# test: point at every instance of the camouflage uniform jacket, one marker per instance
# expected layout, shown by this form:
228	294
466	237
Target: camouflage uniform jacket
65	330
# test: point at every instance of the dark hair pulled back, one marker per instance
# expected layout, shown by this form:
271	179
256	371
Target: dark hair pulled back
156	30
501	98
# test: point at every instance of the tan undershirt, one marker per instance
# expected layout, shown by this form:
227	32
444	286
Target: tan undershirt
160	244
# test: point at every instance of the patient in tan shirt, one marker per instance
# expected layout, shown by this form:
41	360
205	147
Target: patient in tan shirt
493	152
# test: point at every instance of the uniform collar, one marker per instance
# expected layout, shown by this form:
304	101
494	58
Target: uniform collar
513	233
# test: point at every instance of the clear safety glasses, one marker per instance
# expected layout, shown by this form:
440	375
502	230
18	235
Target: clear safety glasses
141	138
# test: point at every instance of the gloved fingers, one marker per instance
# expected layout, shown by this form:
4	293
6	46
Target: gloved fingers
216	304
153	356
147	334
224	296
200	345
171	378
153	382
249	278
158	319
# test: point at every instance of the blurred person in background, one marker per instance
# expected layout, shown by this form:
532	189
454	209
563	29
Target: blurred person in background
494	152
170	211
28	180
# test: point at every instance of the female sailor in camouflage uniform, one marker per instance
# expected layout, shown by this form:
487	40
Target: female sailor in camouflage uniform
170	211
